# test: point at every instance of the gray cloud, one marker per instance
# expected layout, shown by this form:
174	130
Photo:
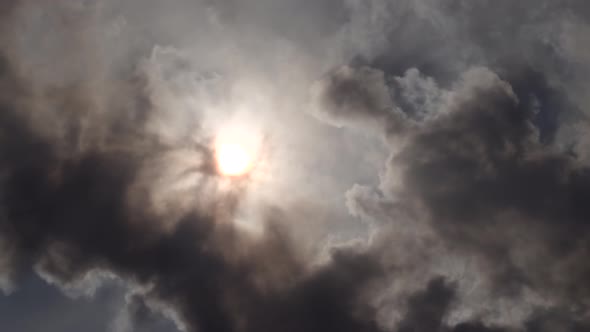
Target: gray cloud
480	177
358	96
476	222
72	208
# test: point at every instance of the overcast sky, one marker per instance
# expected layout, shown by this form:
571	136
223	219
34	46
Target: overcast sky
412	166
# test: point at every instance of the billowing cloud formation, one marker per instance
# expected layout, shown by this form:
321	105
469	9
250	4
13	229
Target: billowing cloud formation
476	222
71	212
478	176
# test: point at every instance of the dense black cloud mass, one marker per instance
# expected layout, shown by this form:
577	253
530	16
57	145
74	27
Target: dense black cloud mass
490	187
480	218
426	309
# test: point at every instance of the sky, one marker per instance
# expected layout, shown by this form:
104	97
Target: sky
294	165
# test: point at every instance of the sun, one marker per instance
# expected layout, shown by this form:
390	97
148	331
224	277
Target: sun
233	159
236	150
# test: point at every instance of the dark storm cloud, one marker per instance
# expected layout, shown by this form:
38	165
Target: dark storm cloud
490	187
358	97
469	96
68	212
486	184
426	309
480	168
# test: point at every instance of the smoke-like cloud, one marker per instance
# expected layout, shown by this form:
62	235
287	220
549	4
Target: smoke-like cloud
70	212
467	117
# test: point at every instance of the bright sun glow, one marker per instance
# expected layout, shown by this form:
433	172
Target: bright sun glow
233	159
236	150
